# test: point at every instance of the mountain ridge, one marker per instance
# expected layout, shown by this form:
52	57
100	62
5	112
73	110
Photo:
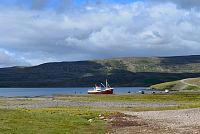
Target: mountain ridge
125	71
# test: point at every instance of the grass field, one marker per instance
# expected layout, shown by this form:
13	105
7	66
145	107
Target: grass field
51	121
161	98
174	85
182	100
192	84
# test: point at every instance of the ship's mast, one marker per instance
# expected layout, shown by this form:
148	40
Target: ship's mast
106	83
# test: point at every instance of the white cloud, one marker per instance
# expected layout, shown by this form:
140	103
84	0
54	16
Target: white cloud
10	59
137	29
186	4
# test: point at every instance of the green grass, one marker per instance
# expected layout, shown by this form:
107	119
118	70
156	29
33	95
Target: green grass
178	85
50	121
192	88
166	85
137	108
151	108
173	97
181	100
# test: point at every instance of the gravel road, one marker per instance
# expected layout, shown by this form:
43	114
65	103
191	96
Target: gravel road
185	121
48	102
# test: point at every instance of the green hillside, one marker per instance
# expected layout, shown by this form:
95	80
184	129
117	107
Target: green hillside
192	84
131	71
176	64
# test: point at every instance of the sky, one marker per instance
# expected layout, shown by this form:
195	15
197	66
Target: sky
39	31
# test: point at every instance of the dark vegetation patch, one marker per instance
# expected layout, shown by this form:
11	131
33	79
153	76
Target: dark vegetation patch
119	120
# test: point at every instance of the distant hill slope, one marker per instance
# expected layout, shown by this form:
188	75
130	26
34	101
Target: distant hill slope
180	85
141	71
176	64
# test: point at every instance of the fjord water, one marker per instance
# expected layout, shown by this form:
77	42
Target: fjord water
31	92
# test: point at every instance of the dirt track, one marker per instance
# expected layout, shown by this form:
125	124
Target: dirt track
184	81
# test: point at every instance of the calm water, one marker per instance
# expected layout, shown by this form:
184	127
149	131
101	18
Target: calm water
12	92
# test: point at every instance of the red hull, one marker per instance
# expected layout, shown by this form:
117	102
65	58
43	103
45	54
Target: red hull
110	91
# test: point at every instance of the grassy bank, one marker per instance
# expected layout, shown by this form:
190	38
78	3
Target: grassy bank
161	98
51	121
174	85
181	85
180	100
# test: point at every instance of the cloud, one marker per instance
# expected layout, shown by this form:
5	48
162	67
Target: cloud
97	31
186	4
9	59
64	4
